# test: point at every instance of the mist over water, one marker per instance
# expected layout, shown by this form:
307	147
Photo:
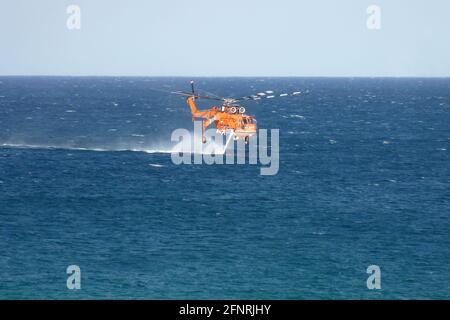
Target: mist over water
363	180
183	146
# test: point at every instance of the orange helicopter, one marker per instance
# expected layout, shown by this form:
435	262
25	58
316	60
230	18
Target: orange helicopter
229	116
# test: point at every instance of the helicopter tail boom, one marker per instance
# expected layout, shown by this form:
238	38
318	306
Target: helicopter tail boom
191	103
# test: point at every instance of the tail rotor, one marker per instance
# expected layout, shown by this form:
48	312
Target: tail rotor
192	88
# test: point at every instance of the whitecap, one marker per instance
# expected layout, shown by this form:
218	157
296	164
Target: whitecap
297	116
156	165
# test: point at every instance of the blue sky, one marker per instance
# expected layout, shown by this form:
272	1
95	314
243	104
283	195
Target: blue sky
225	38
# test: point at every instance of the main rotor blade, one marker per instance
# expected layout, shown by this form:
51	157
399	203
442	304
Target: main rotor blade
182	93
269	94
210	98
187	94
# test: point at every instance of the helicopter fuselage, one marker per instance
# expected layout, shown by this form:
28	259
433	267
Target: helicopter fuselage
225	118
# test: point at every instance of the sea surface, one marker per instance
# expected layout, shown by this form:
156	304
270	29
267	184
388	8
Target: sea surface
86	179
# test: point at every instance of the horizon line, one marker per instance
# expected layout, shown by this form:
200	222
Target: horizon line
221	76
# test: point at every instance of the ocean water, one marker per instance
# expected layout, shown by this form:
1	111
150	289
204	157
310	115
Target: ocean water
86	179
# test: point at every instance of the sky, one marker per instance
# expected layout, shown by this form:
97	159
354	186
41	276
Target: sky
314	38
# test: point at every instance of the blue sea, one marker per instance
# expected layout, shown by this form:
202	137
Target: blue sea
86	179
